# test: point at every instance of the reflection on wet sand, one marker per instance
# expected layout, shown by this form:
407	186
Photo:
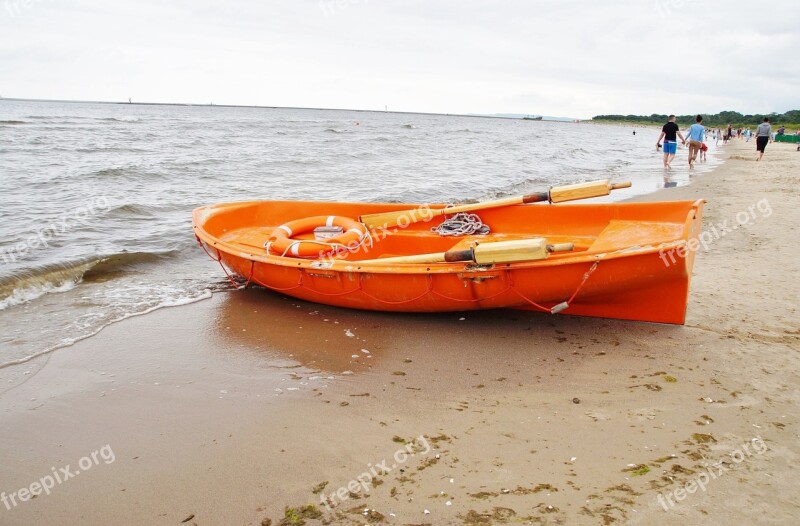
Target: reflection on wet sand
318	337
286	333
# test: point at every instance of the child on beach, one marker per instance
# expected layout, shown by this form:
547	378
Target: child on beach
703	150
696	137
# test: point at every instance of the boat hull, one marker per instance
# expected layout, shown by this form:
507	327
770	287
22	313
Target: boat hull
635	282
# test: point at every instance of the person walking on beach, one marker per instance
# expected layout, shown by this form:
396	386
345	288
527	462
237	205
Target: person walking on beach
696	137
670	134
763	134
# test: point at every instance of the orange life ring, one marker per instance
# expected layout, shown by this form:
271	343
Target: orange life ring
281	242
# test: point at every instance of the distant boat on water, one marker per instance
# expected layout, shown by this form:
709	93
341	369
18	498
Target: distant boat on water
532	118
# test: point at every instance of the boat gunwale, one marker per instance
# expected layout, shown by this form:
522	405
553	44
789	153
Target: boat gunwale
341	265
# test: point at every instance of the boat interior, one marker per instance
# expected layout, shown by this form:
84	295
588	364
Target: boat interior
246	227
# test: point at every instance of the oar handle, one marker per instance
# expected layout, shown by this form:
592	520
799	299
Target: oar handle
561	247
538	197
453	256
617	186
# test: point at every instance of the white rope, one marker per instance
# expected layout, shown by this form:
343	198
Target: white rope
462	224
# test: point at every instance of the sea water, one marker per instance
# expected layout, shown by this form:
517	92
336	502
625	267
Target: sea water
96	199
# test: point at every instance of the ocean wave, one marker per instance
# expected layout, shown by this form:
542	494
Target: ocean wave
132	170
108	149
119	119
132	209
30	292
334	130
102	268
111	172
517	187
35	283
302	161
409	126
56	117
69	119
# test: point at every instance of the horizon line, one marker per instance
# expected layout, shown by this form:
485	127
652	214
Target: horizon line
211	104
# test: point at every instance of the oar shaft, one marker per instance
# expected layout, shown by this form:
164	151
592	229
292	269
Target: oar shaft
508	201
557	194
407	217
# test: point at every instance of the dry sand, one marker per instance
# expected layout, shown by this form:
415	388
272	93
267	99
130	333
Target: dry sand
230	410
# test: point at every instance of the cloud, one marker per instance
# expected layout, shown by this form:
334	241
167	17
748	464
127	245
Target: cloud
570	58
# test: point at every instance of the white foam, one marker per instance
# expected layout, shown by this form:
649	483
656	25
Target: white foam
32	292
67	342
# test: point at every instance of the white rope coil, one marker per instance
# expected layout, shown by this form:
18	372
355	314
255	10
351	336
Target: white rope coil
462	224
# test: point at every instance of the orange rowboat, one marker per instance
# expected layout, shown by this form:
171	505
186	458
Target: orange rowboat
628	261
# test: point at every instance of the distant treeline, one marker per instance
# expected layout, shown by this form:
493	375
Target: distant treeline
719	120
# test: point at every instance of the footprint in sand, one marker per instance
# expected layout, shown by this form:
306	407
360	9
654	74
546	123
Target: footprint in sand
597	415
640	415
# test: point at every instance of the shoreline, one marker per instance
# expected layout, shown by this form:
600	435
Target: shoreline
214	414
45	353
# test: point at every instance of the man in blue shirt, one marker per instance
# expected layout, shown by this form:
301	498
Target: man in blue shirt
696	136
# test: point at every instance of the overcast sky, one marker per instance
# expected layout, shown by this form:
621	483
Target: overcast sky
556	57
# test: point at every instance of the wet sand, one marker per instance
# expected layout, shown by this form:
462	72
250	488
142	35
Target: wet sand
246	407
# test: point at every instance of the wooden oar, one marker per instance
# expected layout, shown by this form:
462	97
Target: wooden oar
483	253
557	194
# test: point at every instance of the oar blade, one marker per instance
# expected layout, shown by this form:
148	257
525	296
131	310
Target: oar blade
573	192
511	251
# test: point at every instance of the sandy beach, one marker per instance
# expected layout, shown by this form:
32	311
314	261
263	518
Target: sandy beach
254	409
